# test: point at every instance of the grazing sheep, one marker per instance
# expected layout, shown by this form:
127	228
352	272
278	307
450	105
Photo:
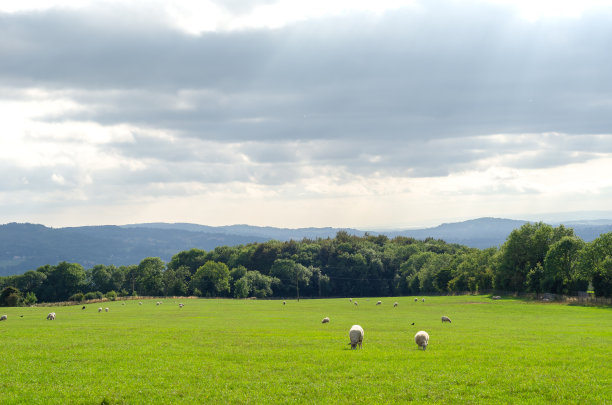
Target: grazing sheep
350	300
106	309
284	302
3	318
51	316
379	302
355	303
356	336
496	297
421	339
416	299
100	309
83	307
325	320
446	319
423	299
140	303
157	303
394	304
181	305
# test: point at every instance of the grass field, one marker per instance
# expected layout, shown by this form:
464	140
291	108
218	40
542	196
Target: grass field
250	351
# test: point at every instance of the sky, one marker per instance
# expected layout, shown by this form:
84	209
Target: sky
361	114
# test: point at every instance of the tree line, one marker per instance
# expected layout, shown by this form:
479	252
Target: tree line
536	257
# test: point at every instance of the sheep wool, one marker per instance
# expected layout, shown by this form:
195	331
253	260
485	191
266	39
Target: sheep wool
446	319
356	335
422	339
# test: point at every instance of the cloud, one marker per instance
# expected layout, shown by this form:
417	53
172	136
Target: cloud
109	99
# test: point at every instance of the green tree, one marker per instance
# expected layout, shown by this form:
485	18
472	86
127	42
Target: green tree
525	248
602	278
212	279
64	280
149	276
560	274
291	274
10	297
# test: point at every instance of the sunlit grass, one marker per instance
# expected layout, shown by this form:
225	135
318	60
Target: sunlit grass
249	351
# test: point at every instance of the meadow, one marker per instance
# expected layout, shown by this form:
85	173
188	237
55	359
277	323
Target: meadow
261	351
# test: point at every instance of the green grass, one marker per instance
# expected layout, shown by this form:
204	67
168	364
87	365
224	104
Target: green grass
249	351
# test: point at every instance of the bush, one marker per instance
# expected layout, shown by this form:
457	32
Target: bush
30	298
94	295
111	295
77	297
10	297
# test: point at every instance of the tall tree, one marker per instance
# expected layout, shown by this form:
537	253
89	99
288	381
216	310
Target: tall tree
212	279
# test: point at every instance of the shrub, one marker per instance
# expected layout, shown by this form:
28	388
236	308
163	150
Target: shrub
30	298
111	295
10	297
77	297
93	295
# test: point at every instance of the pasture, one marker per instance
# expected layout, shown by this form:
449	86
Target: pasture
255	351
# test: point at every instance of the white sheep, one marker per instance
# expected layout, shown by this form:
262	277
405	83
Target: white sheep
496	297
284	302
421	339
350	300
325	320
416	299
51	316
355	303
140	303
181	305
423	299
379	302
394	304
3	318
100	309
106	309
157	303
446	319
356	336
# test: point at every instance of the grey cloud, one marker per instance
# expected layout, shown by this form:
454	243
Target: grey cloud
412	93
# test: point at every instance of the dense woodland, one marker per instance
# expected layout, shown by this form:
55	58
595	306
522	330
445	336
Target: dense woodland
534	258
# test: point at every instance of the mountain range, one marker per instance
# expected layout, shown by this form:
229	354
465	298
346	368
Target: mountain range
27	246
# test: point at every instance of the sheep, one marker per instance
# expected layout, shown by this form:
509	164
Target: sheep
416	299
3	318
106	309
355	303
157	303
83	307
284	302
140	303
496	297
356	336
423	299
100	309
446	319
394	304
51	316
421	339
379	302
325	320
350	300
181	305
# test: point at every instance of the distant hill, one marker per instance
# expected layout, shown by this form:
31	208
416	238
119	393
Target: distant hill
26	247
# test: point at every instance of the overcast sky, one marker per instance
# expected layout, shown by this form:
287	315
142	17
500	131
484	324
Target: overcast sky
386	114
